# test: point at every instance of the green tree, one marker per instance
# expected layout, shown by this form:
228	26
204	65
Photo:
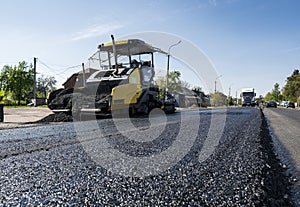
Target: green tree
218	99
17	80
45	84
174	82
230	101
291	90
274	94
268	96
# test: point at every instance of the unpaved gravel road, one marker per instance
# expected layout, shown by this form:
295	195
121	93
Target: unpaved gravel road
222	157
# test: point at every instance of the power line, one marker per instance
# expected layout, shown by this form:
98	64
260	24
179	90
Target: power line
45	64
61	72
75	66
51	69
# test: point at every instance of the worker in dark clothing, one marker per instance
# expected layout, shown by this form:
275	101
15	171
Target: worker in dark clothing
134	63
1	105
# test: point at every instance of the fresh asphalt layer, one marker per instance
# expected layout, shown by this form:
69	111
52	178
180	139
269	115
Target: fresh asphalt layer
284	126
221	157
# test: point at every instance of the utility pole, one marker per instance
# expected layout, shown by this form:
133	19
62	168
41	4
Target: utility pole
216	83
168	68
215	86
34	81
83	75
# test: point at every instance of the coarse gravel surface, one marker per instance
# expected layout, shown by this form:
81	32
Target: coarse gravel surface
52	165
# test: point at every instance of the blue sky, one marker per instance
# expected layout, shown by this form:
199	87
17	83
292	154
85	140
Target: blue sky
251	43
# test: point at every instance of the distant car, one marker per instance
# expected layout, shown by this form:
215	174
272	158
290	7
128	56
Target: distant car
290	105
284	103
271	103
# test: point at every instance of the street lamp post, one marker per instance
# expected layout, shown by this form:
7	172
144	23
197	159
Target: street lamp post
216	82
216	89
168	67
229	98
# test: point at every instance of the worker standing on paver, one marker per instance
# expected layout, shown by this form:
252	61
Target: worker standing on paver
1	105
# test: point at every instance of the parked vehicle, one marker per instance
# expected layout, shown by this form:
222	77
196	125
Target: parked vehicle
283	103
290	105
271	103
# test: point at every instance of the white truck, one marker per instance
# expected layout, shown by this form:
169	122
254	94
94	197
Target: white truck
248	97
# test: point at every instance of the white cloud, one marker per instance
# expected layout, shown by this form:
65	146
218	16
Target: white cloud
96	30
213	2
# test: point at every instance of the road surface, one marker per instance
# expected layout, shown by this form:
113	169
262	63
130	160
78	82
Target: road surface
20	117
284	124
220	157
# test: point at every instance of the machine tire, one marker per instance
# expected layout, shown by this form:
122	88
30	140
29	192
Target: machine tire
146	108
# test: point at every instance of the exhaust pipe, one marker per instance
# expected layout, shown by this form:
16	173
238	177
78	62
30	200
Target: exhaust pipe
115	55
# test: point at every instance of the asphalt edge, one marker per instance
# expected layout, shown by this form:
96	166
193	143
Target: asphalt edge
277	181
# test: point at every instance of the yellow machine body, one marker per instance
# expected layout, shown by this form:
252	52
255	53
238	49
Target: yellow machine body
127	95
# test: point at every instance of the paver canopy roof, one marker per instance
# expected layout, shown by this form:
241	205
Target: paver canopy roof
130	47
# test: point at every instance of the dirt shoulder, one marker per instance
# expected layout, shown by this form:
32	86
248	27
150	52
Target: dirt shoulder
20	117
31	116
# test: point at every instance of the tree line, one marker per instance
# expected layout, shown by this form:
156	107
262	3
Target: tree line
17	81
289	92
